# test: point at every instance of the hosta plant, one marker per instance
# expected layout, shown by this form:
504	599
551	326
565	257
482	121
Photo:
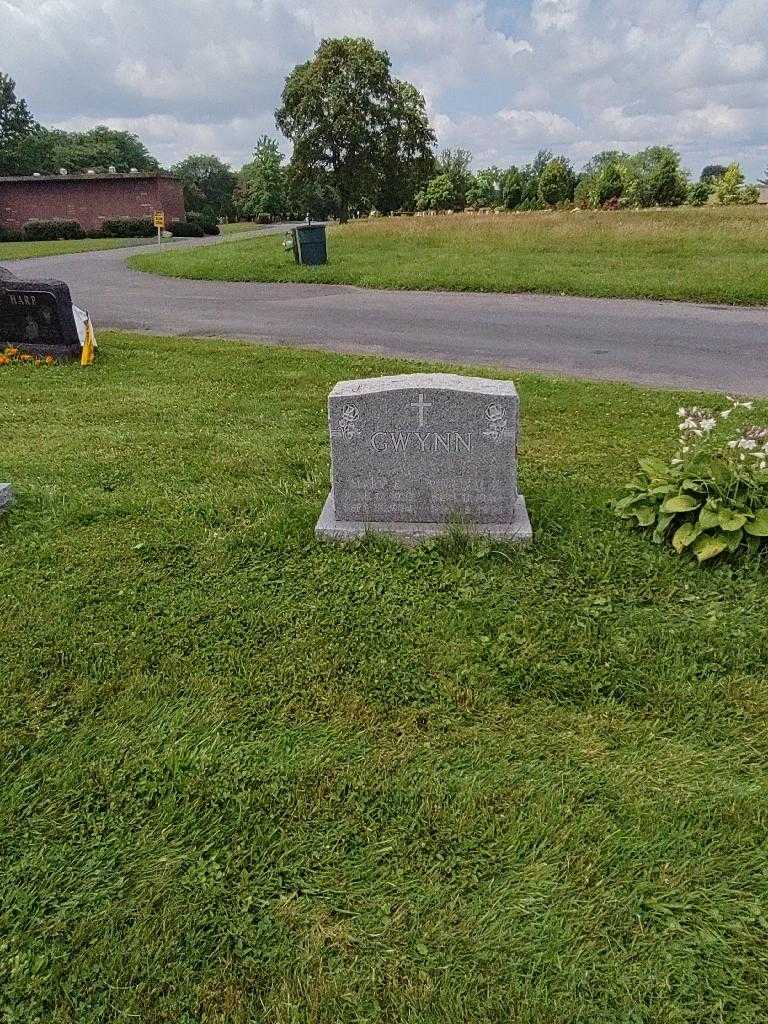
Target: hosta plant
711	498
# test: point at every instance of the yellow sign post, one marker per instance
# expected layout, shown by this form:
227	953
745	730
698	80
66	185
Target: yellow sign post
159	222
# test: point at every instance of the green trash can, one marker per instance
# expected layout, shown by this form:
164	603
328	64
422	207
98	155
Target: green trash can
309	244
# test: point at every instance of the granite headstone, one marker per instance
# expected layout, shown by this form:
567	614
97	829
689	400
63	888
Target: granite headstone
37	317
414	453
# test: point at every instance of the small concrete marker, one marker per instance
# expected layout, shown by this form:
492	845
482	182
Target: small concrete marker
414	453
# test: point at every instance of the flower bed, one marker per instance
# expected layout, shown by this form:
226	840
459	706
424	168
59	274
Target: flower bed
711	498
14	355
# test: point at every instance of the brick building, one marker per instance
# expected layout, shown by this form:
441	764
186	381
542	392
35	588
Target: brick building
89	198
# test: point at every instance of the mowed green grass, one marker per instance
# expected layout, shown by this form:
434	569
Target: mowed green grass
29	250
249	776
235	227
711	254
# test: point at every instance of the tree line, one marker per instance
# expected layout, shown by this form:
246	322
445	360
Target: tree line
362	142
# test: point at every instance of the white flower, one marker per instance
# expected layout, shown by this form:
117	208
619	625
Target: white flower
725	413
708	424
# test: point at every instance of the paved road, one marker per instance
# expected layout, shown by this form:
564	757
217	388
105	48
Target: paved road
657	343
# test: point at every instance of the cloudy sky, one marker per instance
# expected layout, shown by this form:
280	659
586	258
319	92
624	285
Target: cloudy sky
501	78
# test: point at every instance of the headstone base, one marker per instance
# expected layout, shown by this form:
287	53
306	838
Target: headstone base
6	495
518	531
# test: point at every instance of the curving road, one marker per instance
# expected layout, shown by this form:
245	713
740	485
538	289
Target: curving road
664	344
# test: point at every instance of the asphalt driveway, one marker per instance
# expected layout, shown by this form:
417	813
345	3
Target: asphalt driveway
665	344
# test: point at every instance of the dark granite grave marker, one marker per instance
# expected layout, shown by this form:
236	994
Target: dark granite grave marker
37	317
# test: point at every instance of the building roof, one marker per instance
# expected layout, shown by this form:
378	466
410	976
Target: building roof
80	176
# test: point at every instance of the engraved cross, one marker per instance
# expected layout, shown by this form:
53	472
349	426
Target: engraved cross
421	405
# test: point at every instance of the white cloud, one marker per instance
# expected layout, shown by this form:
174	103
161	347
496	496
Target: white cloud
557	14
500	79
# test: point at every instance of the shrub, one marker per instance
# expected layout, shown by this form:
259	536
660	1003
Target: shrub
608	185
128	227
185	229
486	189
583	194
206	222
52	230
531	205
750	194
512	188
556	183
6	235
731	190
698	193
711	498
439	194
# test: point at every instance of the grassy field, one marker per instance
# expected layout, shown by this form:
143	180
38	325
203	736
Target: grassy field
711	254
237	226
28	250
252	777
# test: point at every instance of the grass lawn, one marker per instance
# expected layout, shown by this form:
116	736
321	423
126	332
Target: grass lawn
253	777
236	227
28	250
711	254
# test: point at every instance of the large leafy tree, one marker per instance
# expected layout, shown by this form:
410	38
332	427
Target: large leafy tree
209	185
486	188
556	182
439	194
455	163
407	161
15	118
17	126
600	160
660	177
262	186
98	148
350	120
713	171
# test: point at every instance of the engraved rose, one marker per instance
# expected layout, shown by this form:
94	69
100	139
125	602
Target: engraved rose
349	415
497	422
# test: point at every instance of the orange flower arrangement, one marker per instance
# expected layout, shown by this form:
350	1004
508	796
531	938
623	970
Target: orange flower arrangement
13	355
